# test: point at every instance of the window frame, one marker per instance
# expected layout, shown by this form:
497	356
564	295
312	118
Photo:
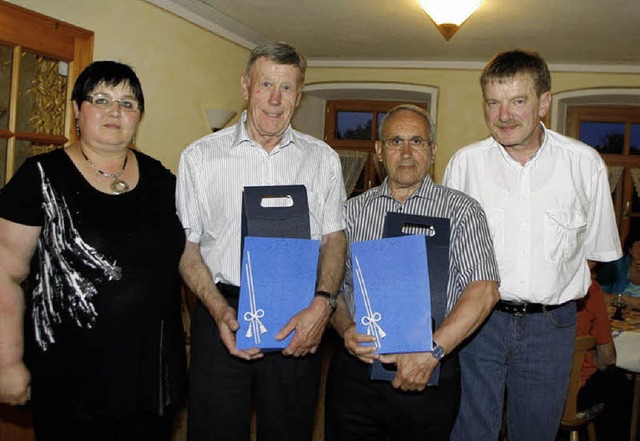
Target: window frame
623	194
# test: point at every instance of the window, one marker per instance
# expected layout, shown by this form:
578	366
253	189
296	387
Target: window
351	128
615	132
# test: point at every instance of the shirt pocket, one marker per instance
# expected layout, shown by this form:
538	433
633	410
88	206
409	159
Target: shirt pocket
563	231
495	219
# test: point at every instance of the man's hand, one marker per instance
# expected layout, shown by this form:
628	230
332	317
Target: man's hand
353	341
15	384
414	370
309	326
225	318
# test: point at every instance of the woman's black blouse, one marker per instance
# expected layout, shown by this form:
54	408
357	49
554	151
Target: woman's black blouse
103	330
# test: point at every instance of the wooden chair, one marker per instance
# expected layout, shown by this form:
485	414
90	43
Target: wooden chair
571	421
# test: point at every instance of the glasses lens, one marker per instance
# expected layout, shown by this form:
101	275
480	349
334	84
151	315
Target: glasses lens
128	104
99	100
394	143
417	143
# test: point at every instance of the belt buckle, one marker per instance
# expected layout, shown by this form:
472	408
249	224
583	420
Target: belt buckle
520	310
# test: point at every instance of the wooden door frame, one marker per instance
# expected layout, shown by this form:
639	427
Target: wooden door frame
28	30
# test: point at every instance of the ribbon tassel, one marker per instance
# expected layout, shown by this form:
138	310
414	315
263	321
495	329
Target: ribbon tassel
256	327
371	319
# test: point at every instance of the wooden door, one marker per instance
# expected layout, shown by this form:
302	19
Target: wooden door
40	57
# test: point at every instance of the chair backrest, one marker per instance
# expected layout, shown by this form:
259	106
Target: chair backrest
582	345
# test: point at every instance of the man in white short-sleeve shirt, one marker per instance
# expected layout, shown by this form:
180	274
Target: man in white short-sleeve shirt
549	209
262	149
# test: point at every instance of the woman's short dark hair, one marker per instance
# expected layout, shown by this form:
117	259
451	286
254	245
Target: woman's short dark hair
110	73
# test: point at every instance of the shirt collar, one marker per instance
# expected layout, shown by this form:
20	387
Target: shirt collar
242	135
535	156
425	190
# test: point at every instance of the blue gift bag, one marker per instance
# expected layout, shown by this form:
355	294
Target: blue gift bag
392	297
278	281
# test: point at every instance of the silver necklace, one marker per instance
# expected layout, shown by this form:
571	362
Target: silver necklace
118	186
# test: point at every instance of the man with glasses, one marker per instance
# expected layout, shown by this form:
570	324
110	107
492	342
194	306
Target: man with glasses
406	409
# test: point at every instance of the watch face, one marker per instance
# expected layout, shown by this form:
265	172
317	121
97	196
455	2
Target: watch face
438	352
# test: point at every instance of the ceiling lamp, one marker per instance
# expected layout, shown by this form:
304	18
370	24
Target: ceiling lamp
448	15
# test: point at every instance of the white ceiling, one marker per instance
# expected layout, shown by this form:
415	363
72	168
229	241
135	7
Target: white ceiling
595	35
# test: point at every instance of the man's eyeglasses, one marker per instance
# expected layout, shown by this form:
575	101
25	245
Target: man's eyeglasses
104	101
416	143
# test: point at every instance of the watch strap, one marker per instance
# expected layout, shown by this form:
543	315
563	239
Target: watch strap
331	299
437	351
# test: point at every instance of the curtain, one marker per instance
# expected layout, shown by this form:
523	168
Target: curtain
380	170
615	173
353	162
635	173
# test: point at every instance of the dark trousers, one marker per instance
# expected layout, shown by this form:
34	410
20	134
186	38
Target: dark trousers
359	409
222	388
146	427
615	390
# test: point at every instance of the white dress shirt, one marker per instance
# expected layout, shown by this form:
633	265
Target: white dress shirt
546	217
214	170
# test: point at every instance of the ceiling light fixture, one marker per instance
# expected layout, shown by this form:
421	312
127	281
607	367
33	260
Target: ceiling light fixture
448	15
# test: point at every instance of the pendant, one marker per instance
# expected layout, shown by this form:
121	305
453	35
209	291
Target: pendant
118	186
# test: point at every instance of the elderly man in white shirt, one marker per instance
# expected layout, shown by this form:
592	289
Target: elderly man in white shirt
549	209
262	149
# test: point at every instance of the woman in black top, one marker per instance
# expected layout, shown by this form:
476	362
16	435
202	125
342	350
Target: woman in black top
95	340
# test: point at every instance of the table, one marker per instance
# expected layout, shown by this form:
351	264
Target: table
626	337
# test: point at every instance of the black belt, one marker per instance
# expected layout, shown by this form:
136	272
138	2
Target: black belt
520	309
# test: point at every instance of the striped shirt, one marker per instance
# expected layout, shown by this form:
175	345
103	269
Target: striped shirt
471	256
214	170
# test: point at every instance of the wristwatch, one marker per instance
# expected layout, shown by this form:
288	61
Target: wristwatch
437	351
331	299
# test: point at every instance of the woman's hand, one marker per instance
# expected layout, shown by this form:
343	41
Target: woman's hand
15	384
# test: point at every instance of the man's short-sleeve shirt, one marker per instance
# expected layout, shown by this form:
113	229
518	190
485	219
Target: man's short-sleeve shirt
215	169
471	256
546	217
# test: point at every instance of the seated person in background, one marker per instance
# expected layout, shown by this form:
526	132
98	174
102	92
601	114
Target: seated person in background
602	381
623	275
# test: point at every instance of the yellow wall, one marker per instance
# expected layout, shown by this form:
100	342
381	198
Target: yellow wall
460	120
183	68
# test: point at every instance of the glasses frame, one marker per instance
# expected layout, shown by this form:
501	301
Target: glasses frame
90	98
424	146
